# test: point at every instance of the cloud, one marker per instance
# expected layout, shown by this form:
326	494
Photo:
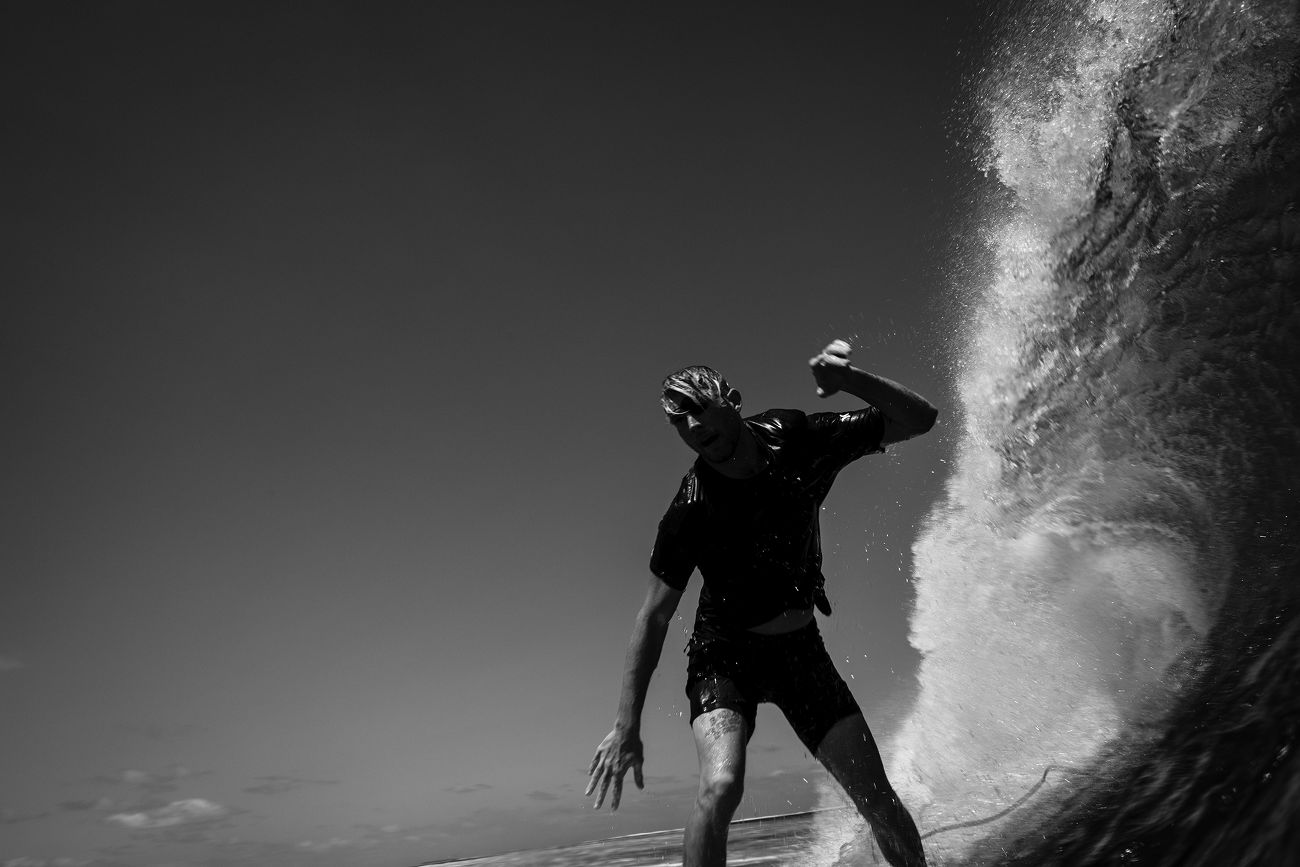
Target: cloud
9	663
330	852
12	817
152	782
83	804
276	785
655	780
482	819
320	847
467	790
543	796
191	811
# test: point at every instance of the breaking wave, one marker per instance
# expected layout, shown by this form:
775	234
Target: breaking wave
1106	594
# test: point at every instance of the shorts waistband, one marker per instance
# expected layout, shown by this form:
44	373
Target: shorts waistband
745	638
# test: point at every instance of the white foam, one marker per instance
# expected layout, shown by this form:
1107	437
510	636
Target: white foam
1045	624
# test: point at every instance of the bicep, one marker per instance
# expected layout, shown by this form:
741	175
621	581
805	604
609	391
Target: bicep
847	436
896	433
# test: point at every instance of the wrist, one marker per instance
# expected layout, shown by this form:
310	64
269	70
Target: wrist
852	379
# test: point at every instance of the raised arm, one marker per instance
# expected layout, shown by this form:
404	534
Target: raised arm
906	413
621	749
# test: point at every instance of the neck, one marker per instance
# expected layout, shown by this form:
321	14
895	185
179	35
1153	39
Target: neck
746	460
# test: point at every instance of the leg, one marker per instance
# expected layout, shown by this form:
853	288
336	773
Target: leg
849	752
720	738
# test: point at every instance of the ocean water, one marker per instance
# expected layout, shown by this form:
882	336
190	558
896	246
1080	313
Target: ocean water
768	841
1106	594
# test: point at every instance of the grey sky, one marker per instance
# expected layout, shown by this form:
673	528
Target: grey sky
332	340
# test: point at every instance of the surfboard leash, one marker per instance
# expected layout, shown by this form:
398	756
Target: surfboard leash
943	829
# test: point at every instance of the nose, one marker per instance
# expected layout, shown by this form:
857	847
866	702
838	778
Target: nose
692	422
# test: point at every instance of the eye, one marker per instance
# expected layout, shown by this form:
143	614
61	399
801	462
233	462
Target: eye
678	406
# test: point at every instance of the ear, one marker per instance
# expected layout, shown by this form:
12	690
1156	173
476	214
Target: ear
733	397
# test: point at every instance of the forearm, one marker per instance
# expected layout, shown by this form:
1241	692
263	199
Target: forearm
642	657
898	403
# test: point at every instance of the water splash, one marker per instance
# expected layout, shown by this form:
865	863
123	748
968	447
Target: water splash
1116	518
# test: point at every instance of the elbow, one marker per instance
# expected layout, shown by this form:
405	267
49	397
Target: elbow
655	620
927	420
916	424
653	630
917	421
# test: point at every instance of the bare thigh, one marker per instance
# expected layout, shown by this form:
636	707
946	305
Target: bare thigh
849	752
720	738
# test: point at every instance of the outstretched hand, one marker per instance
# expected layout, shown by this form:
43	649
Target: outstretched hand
616	753
829	367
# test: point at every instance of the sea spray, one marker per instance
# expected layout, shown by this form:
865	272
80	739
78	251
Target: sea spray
1127	405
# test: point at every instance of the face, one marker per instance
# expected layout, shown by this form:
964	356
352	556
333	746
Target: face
710	426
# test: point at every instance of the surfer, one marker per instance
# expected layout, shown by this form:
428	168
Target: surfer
746	515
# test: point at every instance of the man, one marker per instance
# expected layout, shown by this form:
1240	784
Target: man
746	516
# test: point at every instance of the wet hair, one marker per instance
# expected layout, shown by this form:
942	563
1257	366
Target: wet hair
698	382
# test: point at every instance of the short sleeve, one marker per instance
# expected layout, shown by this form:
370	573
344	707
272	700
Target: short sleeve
673	558
843	437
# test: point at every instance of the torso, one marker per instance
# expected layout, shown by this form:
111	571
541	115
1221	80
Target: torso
762	534
787	621
751	528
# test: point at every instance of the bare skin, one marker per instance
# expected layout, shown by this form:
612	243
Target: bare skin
621	749
716	433
848	752
720	738
787	621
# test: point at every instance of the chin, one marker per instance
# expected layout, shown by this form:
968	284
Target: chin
720	452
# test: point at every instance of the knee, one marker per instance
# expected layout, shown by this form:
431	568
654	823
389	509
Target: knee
720	793
878	802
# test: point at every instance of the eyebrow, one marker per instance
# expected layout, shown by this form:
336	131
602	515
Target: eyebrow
685	403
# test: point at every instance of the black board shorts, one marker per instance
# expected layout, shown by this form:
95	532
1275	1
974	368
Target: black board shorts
792	671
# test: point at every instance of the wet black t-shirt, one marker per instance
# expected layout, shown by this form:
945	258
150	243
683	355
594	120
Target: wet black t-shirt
757	541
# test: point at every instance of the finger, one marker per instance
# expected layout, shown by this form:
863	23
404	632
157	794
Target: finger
636	775
604	787
618	792
839	347
593	773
